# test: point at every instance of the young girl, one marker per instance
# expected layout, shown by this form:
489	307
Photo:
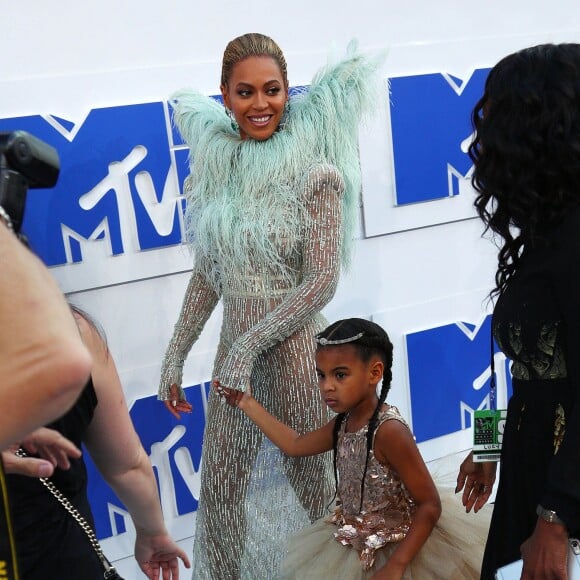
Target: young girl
384	525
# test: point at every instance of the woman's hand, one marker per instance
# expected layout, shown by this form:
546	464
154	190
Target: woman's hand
545	552
476	480
157	556
54	450
175	405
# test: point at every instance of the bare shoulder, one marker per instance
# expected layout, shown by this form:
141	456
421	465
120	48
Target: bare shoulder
393	438
392	431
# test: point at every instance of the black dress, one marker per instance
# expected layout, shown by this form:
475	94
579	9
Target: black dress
50	543
536	323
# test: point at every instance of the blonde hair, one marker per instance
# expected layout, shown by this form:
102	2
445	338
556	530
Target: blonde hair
251	44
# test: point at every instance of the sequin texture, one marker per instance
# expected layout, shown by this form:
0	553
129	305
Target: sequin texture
267	339
270	223
387	507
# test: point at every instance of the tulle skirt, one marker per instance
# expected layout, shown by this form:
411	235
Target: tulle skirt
453	551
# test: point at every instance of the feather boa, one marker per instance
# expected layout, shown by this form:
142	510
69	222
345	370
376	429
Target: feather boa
245	196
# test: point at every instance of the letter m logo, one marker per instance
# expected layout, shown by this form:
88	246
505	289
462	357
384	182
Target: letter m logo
117	185
431	128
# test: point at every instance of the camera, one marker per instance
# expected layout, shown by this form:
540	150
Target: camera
25	162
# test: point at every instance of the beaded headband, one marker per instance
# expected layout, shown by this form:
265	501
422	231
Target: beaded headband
325	342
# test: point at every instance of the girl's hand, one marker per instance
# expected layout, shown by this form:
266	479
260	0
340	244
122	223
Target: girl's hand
232	397
157	556
476	479
390	571
175	405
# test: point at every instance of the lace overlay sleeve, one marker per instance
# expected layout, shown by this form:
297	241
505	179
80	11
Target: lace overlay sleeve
321	269
198	304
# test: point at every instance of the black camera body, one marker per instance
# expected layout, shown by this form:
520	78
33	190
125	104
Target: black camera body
25	162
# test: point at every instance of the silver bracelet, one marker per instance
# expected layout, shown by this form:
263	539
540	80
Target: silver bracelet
6	218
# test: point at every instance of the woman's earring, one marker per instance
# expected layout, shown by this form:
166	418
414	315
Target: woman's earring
233	121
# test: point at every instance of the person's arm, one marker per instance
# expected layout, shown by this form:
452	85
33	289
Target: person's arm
284	437
321	270
119	456
544	553
198	303
394	445
43	362
562	490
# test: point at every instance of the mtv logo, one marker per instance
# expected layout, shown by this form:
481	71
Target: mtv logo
449	375
118	190
431	129
175	452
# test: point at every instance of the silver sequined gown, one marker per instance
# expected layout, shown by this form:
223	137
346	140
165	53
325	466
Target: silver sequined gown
268	327
271	222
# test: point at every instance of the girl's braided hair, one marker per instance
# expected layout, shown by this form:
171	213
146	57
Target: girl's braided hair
369	339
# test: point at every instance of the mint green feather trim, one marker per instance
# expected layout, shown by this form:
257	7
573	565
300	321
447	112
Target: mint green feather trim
245	198
340	95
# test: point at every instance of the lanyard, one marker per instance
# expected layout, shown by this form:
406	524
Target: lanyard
8	564
492	383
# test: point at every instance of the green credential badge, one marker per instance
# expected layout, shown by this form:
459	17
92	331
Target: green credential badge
488	427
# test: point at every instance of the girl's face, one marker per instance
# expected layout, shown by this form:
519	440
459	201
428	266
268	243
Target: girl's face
256	94
346	382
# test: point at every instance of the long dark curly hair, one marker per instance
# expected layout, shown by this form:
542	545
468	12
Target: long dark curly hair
374	341
526	149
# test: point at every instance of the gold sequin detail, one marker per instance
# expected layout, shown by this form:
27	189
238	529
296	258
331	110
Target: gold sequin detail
544	361
559	427
522	411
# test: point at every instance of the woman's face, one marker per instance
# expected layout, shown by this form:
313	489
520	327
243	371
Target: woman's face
256	94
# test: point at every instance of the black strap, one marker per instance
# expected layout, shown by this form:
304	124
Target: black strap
8	564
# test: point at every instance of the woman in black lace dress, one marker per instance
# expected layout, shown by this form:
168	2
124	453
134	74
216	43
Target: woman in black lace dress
526	153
